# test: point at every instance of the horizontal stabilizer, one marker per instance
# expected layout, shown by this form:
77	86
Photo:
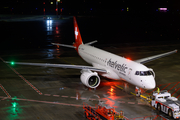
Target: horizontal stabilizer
89	43
70	46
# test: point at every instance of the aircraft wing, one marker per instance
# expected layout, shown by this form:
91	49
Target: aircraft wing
151	58
61	66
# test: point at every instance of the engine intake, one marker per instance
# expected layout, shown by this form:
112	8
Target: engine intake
90	79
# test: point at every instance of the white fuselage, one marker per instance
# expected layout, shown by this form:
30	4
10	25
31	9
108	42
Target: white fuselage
118	68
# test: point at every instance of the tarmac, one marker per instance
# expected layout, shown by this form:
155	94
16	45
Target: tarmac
42	93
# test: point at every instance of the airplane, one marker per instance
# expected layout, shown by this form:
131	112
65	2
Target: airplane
107	64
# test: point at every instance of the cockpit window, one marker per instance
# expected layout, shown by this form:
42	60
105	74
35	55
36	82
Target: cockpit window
143	73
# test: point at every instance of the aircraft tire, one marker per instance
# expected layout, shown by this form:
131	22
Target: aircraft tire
170	113
158	107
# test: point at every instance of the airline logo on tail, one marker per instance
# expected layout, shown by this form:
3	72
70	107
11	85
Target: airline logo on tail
76	32
78	39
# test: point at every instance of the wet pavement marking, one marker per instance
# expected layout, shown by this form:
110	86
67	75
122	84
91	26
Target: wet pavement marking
2	59
142	96
65	96
3	99
142	104
91	99
73	97
131	102
121	101
56	95
47	94
5	91
40	93
47	102
118	86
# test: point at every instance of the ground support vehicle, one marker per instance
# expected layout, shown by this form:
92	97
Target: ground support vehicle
101	113
164	102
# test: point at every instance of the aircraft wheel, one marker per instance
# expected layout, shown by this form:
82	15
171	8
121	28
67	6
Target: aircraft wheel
170	113
158	107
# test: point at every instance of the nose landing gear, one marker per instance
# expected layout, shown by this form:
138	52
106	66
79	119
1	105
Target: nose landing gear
138	91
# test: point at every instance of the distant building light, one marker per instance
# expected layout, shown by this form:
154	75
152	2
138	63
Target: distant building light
162	9
91	9
127	8
58	0
36	8
44	3
51	3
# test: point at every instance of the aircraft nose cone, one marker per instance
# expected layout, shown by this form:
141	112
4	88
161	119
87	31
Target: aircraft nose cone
151	84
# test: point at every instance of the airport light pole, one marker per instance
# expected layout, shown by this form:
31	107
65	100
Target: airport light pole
57	1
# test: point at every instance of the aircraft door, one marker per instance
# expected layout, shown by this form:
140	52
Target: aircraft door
129	73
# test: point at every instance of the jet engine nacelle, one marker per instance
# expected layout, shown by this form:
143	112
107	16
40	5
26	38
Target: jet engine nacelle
152	72
90	79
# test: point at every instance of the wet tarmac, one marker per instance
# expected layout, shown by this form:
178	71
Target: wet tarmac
41	93
55	93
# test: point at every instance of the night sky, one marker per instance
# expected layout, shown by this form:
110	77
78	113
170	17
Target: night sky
86	7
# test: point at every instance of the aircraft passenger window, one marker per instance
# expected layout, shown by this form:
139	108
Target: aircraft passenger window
137	73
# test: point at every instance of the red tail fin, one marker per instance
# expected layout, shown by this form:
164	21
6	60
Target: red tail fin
78	39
